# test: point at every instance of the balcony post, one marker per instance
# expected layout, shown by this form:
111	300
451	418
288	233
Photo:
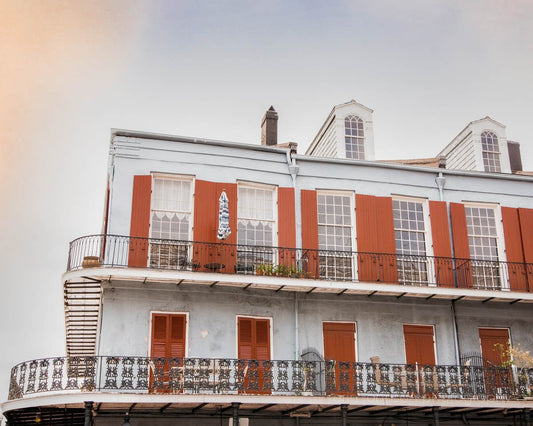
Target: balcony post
235	406
344	413
527	416
435	416
88	413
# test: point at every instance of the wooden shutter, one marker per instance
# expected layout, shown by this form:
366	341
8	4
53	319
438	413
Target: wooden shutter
168	335
419	344
246	346
339	346
442	249
254	338
489	337
286	227
376	242
461	246
526	227
140	221
262	339
159	335
514	250
310	233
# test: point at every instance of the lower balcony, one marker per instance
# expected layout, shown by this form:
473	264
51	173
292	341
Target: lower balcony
222	376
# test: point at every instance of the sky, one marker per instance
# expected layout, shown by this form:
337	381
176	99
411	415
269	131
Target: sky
72	70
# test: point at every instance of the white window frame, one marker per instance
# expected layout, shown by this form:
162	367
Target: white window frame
353	231
360	139
192	180
500	242
495	153
428	237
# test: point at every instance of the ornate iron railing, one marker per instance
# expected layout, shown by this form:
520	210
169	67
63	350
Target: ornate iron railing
124	251
233	376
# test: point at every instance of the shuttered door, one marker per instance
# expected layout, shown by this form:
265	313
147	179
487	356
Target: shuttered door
140	221
442	249
168	341
419	344
254	347
211	254
494	343
526	227
339	346
386	240
513	249
461	246
367	237
310	233
286	227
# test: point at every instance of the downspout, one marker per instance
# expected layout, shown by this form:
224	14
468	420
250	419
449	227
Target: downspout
440	180
293	171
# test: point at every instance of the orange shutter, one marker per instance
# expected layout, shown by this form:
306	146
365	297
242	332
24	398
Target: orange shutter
310	233
386	240
367	237
159	336
513	249
262	339
168	335
461	246
526	226
286	227
489	337
339	346
254	344
228	248
419	344
245	350
442	250
140	221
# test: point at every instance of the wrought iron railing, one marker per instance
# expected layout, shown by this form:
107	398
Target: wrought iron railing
124	251
125	374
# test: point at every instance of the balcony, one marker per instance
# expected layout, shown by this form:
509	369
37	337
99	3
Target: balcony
114	251
221	376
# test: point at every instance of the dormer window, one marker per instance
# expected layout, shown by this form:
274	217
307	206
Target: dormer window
354	137
491	152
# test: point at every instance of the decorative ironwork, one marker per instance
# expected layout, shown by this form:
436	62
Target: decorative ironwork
232	376
124	251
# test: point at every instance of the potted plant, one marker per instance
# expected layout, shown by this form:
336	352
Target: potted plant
521	361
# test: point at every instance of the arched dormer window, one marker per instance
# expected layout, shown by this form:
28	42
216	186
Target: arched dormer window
491	152
354	137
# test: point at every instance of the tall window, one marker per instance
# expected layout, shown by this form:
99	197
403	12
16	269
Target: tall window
354	137
256	224
483	241
411	248
491	152
170	220
335	221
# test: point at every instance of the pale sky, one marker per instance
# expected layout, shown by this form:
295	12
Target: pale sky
71	70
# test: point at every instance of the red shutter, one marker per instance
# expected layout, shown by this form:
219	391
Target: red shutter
386	240
526	226
254	344
513	249
262	339
205	224
442	250
245	350
286	227
489	337
310	232
227	249
168	335
419	344
461	245
159	335
140	221
339	345
367	237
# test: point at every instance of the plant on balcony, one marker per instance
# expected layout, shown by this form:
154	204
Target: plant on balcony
522	361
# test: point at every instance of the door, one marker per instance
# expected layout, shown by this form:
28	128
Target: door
420	357
167	351
339	353
255	372
494	349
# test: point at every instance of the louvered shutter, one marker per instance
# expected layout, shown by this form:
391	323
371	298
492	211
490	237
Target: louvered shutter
442	250
513	249
262	339
245	350
140	221
526	227
386	240
286	227
159	335
461	246
310	233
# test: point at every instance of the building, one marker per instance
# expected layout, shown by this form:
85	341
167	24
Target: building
347	291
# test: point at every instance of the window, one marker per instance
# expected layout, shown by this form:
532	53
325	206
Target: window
491	152
171	212
411	246
335	222
354	137
483	242
256	225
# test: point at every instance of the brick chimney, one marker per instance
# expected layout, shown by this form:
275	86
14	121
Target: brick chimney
269	127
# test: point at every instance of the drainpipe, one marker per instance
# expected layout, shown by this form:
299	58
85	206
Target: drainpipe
293	171
440	180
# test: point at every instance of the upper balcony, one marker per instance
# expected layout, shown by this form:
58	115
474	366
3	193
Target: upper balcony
294	269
